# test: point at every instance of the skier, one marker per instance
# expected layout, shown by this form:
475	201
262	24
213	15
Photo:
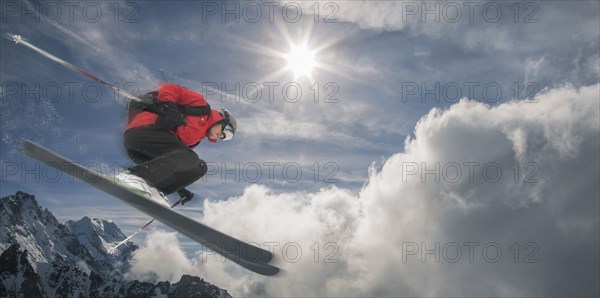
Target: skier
161	134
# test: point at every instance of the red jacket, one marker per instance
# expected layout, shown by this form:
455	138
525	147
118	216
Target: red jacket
197	126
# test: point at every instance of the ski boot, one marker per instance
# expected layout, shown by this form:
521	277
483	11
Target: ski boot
139	185
185	195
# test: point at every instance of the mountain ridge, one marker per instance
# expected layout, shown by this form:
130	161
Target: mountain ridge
41	257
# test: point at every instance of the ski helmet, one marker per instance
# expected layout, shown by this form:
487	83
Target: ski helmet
229	124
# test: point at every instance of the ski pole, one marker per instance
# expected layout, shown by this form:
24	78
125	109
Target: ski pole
144	226
17	39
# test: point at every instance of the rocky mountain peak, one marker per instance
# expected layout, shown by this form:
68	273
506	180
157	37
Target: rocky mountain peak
39	256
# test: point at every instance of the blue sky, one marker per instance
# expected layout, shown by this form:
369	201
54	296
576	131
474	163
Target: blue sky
372	59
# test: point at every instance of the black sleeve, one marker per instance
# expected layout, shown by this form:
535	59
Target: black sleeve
195	111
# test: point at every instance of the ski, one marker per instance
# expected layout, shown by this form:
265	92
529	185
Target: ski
248	256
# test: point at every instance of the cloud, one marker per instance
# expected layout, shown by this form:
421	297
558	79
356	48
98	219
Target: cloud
58	25
355	243
113	51
279	127
481	25
162	256
407	234
532	69
433	19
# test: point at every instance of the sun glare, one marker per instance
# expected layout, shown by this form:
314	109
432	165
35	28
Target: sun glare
302	56
301	61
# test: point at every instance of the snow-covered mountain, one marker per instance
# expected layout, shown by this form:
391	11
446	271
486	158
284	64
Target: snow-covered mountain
40	257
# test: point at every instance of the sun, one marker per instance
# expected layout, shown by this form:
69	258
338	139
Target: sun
301	61
302	55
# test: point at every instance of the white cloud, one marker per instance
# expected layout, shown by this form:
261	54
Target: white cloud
113	50
532	69
59	26
484	25
272	124
386	15
162	255
553	220
437	20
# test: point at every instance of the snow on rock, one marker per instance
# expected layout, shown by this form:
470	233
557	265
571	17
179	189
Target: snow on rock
40	257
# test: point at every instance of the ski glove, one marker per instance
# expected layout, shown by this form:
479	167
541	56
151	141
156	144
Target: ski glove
169	114
185	195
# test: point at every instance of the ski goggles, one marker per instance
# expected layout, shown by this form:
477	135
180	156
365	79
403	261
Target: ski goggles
227	130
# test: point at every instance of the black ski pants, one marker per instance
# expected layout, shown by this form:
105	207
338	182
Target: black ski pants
164	161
